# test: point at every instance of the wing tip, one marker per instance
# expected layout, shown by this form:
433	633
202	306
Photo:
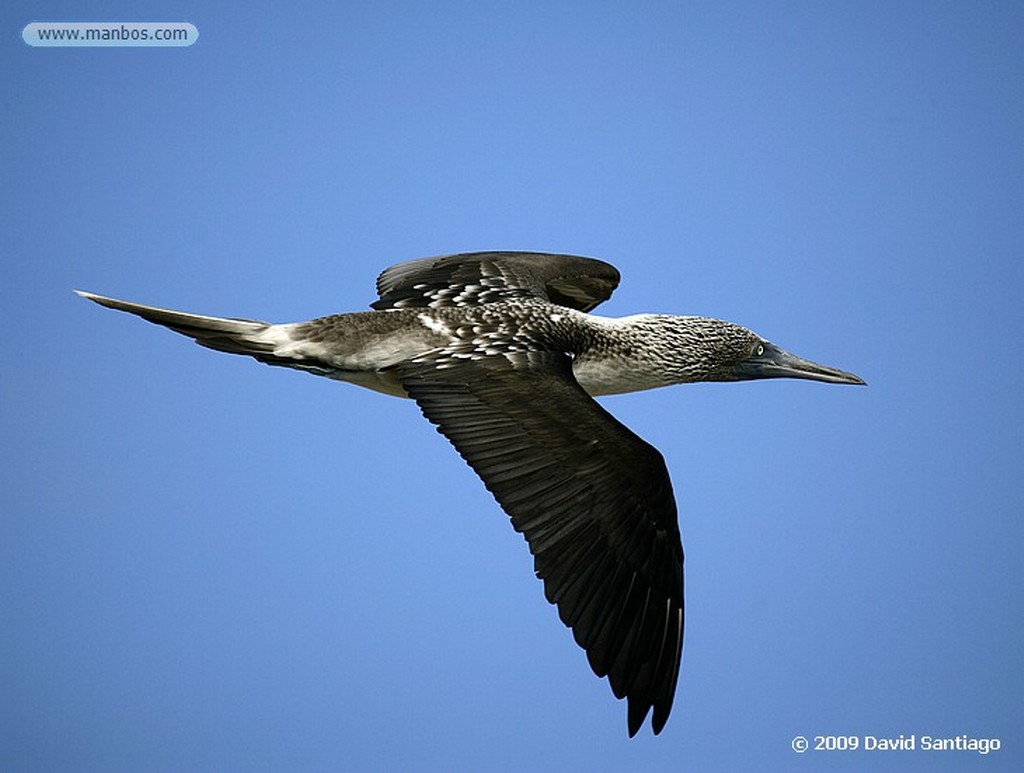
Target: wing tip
636	715
637	712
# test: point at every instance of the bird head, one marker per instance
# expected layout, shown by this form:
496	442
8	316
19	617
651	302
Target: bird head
707	349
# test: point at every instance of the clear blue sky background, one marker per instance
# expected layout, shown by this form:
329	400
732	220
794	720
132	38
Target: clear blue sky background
209	564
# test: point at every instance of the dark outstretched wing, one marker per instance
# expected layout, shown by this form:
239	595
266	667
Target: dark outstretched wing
475	278
593	500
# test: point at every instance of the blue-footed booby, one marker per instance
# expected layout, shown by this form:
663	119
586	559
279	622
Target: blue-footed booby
499	350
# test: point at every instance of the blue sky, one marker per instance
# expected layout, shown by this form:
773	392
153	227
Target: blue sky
208	564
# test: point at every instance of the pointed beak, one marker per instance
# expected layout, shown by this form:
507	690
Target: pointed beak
776	363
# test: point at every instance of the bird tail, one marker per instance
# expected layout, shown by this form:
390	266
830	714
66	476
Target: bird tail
235	336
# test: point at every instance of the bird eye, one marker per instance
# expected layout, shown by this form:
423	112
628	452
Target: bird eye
758	350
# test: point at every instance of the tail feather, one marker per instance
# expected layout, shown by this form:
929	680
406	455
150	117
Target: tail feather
235	336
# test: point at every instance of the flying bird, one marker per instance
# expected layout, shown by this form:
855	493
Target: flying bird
499	350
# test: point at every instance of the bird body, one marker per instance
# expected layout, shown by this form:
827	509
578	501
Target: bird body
499	350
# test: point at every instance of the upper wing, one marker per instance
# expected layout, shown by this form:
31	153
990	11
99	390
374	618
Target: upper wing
593	500
474	278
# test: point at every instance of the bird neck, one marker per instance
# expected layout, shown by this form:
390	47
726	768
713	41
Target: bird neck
642	351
